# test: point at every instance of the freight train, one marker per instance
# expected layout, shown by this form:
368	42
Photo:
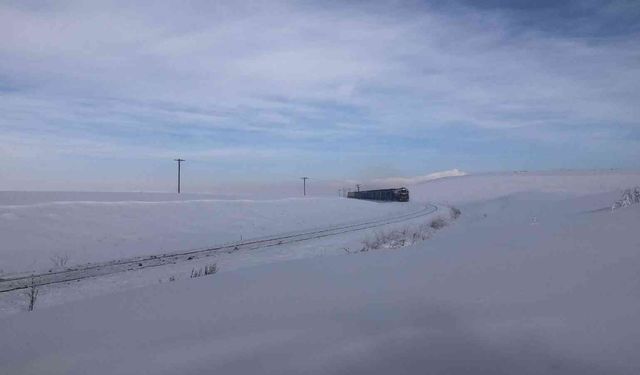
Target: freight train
394	195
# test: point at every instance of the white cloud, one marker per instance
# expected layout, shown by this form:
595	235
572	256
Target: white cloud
406	181
98	72
407	70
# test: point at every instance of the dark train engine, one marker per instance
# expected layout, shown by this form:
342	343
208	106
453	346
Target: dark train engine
392	195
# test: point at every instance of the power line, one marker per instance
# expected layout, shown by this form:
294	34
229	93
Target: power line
179	162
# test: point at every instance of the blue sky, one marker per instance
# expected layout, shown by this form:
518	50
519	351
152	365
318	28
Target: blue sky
103	95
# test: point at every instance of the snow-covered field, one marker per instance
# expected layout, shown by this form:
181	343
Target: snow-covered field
37	227
475	187
538	276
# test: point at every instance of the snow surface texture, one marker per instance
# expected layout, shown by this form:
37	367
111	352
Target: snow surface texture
496	293
523	283
37	228
475	187
35	235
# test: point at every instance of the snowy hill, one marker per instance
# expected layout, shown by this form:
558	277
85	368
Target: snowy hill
474	187
533	278
492	294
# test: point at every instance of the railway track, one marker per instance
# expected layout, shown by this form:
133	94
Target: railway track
23	281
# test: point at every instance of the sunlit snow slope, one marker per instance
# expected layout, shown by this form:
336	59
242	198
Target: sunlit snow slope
527	283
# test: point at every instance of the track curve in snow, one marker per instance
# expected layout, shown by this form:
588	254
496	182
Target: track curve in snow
23	281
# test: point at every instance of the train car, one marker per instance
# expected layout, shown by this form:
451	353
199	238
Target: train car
393	195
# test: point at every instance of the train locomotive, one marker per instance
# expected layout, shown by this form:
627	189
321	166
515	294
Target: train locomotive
392	195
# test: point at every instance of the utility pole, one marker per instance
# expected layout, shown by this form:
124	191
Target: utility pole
304	185
179	162
358	187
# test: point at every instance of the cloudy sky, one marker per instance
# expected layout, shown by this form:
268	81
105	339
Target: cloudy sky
103	95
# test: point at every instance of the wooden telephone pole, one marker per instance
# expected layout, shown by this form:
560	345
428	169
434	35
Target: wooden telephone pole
179	162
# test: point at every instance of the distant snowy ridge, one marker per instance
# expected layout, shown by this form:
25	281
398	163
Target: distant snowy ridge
418	179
